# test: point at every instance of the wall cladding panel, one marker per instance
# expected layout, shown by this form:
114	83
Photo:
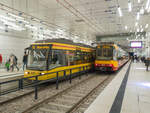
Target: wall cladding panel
11	44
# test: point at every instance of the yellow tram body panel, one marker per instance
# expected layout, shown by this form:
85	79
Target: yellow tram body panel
29	73
61	46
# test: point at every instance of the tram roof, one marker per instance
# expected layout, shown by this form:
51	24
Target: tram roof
64	41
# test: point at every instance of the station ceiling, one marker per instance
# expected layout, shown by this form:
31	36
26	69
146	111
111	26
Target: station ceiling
86	18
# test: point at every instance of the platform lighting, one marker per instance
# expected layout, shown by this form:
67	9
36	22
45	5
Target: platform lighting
129	6
139	1
31	27
15	16
148	10
2	28
138	16
9	23
142	10
142	30
16	28
24	21
146	26
120	12
147	4
126	27
18	18
138	29
12	25
142	38
136	37
7	18
136	23
47	31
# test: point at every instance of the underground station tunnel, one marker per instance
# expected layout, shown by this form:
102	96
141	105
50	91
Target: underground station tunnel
74	56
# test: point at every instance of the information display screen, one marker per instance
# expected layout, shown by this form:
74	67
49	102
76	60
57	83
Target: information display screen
136	44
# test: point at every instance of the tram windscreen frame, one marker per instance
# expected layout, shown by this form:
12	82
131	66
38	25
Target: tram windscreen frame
37	59
43	57
104	52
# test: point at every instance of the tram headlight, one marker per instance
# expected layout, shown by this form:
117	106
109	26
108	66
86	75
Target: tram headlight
26	72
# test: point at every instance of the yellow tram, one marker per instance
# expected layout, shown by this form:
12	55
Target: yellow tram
52	55
109	57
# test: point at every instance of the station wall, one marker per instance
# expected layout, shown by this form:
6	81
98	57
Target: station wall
13	44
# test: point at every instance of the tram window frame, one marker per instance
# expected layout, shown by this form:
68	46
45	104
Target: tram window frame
57	58
70	57
115	54
103	53
85	57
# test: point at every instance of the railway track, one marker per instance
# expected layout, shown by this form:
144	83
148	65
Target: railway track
25	102
74	99
16	101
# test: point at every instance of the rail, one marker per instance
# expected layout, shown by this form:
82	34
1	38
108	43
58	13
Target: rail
36	82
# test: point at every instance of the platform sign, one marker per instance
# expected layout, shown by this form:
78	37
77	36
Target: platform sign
136	44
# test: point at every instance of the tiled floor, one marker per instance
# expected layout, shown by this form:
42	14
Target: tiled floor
5	75
137	93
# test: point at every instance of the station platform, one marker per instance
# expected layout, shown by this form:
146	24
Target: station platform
4	75
129	92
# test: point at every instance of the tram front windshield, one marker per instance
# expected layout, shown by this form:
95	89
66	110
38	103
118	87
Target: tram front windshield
37	59
104	52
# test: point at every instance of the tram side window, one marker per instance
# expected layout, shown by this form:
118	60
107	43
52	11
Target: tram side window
115	54
99	51
85	57
70	57
78	57
119	55
57	59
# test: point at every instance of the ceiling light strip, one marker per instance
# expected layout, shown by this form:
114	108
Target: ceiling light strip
48	24
120	12
138	16
129	6
147	4
146	26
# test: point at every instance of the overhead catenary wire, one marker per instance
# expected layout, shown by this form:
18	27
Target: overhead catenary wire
83	16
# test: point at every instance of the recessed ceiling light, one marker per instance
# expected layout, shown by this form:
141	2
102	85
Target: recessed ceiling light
129	6
139	1
120	12
138	16
126	27
146	26
142	10
142	30
147	4
136	23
